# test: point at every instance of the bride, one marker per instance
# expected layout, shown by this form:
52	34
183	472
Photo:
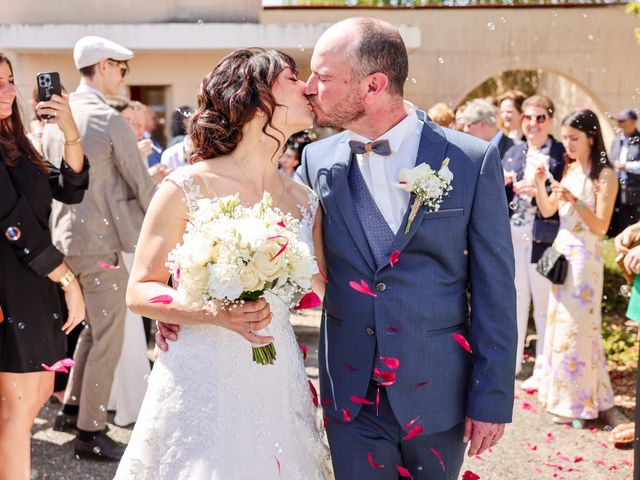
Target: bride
210	412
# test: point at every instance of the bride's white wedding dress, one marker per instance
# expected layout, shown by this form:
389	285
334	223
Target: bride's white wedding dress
211	413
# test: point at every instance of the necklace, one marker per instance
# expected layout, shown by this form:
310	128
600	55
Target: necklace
236	163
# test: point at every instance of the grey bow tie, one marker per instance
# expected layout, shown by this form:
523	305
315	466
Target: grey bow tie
381	147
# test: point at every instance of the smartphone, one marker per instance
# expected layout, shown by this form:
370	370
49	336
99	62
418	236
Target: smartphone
48	85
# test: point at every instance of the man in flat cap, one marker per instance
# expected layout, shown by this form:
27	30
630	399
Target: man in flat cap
92	236
625	155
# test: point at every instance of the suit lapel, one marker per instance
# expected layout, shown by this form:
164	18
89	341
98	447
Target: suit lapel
432	149
343	201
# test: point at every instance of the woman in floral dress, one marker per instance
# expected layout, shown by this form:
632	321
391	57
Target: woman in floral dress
575	384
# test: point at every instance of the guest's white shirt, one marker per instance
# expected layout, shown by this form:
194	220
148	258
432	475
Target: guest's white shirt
380	171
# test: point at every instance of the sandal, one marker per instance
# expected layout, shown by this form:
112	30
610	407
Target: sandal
624	433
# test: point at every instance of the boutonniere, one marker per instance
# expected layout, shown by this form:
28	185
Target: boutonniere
428	186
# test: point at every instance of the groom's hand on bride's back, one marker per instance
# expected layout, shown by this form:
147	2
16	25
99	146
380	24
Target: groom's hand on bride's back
245	319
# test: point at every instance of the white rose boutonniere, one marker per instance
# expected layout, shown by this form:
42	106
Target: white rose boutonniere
429	187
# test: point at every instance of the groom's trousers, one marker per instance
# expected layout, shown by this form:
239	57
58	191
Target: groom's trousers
381	435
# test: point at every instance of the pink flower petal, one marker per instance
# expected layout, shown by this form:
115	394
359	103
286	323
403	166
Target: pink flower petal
469	475
360	401
391	362
532	447
326	402
462	341
278	465
303	349
323	276
314	394
346	414
362	287
603	444
528	406
281	223
422	384
282	248
412	423
438	456
310	300
531	391
404	473
578	459
394	257
386	379
372	463
413	433
377	400
106	266
164	299
392	329
550	437
61	366
562	457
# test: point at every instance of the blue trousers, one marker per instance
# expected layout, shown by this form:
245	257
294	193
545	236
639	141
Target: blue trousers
381	435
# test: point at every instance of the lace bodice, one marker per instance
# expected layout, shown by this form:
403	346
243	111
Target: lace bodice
212	413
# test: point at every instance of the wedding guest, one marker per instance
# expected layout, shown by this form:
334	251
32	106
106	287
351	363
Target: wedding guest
625	155
510	108
289	161
178	124
575	384
479	120
531	234
150	125
442	115
459	123
32	325
176	155
93	234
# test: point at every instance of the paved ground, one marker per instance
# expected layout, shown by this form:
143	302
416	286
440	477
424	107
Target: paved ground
532	449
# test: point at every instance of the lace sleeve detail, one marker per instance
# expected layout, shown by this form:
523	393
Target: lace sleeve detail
188	185
314	202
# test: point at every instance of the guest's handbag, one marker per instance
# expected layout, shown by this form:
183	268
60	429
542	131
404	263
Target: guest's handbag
553	265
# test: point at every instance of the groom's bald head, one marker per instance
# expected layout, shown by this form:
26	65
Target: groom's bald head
369	45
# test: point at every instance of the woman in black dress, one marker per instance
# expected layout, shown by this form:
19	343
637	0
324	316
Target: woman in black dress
32	330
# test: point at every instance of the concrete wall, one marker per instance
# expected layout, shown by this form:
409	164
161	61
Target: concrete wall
127	11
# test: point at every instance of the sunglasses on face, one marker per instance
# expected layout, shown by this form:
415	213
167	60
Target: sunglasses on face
538	118
124	67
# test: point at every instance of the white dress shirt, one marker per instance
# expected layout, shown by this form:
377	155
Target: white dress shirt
380	171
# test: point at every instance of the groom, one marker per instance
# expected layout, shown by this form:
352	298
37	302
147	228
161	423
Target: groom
399	391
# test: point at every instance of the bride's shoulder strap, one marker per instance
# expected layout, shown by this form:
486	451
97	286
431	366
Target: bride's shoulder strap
185	182
312	203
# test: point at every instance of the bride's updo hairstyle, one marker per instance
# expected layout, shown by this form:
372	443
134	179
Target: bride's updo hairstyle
230	96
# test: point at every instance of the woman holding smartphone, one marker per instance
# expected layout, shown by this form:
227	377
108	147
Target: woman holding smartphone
32	330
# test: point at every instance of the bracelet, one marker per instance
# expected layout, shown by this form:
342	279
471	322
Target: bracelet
66	279
68	143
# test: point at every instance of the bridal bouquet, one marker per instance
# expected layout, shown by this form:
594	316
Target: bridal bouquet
232	253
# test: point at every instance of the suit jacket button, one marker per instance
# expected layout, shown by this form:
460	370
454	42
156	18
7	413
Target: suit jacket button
381	287
370	331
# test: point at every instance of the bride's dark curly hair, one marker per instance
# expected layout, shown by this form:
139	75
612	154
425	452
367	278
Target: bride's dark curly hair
229	97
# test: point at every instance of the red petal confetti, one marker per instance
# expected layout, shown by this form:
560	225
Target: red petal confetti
422	384
391	362
412	423
613	467
599	462
469	475
360	401
593	430
106	266
164	299
278	465
527	406
377	400
303	349
603	444
392	329
532	447
403	472
371	462
326	402
394	257
413	433
314	394
350	367
282	248
61	366
281	223
178	274
478	457
346	414
462	341
531	391
323	276
562	457
386	378
551	437
627	463
578	459
362	287
437	454
310	300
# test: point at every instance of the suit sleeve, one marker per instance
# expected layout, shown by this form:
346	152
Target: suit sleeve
302	172
29	241
128	162
493	331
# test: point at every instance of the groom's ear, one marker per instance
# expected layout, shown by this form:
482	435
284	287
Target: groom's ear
377	84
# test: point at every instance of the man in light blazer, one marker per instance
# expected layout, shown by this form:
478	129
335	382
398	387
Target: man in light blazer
401	395
92	234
